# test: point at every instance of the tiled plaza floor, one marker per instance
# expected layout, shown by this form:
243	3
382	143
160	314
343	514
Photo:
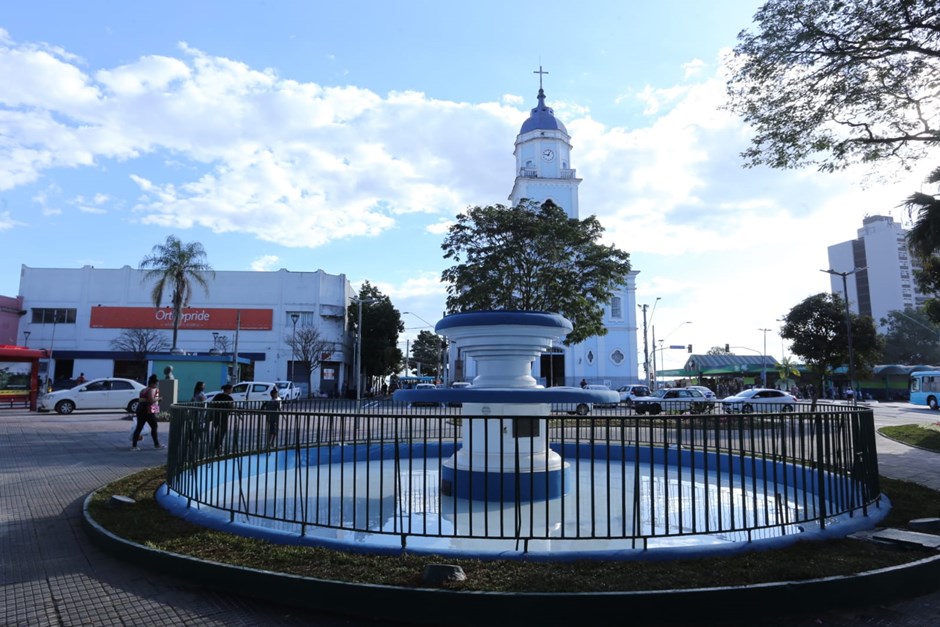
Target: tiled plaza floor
50	574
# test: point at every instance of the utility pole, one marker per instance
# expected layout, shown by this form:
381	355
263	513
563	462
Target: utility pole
763	357
848	326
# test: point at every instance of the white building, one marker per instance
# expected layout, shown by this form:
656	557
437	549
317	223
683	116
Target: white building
885	279
77	313
544	172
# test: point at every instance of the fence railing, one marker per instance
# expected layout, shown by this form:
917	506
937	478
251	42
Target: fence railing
376	469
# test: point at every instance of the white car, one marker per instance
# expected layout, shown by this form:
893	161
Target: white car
248	391
288	390
106	393
628	393
759	399
426	386
704	390
669	400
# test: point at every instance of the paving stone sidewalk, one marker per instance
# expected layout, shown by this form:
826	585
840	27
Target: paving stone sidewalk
50	574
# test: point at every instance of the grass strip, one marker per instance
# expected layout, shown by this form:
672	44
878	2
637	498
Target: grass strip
925	436
147	523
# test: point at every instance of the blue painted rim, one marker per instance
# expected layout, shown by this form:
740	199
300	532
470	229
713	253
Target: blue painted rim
492	318
508	395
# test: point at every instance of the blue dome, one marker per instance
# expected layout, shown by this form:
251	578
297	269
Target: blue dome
542	118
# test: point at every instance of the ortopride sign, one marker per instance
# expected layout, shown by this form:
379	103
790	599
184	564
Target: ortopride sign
192	318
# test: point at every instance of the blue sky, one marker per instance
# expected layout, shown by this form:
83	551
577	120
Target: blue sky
347	136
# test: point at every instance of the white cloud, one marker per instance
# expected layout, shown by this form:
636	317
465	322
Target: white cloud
265	263
6	220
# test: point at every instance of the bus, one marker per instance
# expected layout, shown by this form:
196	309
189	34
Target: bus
925	388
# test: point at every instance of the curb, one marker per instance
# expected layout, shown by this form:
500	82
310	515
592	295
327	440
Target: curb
457	608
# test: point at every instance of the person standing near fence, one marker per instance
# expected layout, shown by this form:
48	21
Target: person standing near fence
273	416
148	406
220	408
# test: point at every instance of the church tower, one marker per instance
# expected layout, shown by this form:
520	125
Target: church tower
544	172
543	160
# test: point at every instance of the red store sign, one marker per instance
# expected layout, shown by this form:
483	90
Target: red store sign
193	318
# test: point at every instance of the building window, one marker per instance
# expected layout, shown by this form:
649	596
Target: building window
306	319
617	357
590	357
616	307
53	316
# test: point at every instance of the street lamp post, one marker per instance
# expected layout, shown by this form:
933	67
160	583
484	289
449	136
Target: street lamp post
26	335
367	301
848	325
763	357
293	345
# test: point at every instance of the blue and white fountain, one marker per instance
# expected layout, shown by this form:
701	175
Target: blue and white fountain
505	452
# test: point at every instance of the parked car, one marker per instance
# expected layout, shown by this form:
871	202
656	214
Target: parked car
106	393
704	390
759	399
628	393
605	388
668	400
458	385
426	386
248	391
581	408
288	390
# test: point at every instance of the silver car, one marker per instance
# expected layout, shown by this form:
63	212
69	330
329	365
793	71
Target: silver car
673	400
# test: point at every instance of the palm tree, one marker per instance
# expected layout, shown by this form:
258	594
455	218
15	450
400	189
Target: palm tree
786	369
924	236
175	265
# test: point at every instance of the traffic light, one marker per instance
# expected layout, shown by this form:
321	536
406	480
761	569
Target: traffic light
727	348
690	348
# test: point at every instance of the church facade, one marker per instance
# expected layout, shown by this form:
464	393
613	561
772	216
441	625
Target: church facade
544	171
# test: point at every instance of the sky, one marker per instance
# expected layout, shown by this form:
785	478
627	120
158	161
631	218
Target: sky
346	136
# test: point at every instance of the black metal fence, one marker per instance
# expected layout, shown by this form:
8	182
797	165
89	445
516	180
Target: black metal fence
636	478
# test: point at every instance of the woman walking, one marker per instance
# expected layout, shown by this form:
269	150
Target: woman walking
148	405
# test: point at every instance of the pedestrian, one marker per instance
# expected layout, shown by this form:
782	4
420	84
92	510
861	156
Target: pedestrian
221	406
199	392
272	406
148	406
583	383
80	379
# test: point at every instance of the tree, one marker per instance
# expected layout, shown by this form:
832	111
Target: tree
787	369
834	83
532	257
381	324
140	342
924	241
817	332
719	350
427	353
911	338
308	348
175	266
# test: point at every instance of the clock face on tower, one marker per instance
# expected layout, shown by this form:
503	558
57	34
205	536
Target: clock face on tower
548	154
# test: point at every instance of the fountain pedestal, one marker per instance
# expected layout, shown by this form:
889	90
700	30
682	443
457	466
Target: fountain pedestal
504	453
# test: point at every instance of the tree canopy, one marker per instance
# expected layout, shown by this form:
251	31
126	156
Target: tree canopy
427	354
175	267
835	83
911	338
532	257
817	332
381	324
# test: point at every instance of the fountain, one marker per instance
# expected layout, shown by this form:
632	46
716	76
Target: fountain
503	476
